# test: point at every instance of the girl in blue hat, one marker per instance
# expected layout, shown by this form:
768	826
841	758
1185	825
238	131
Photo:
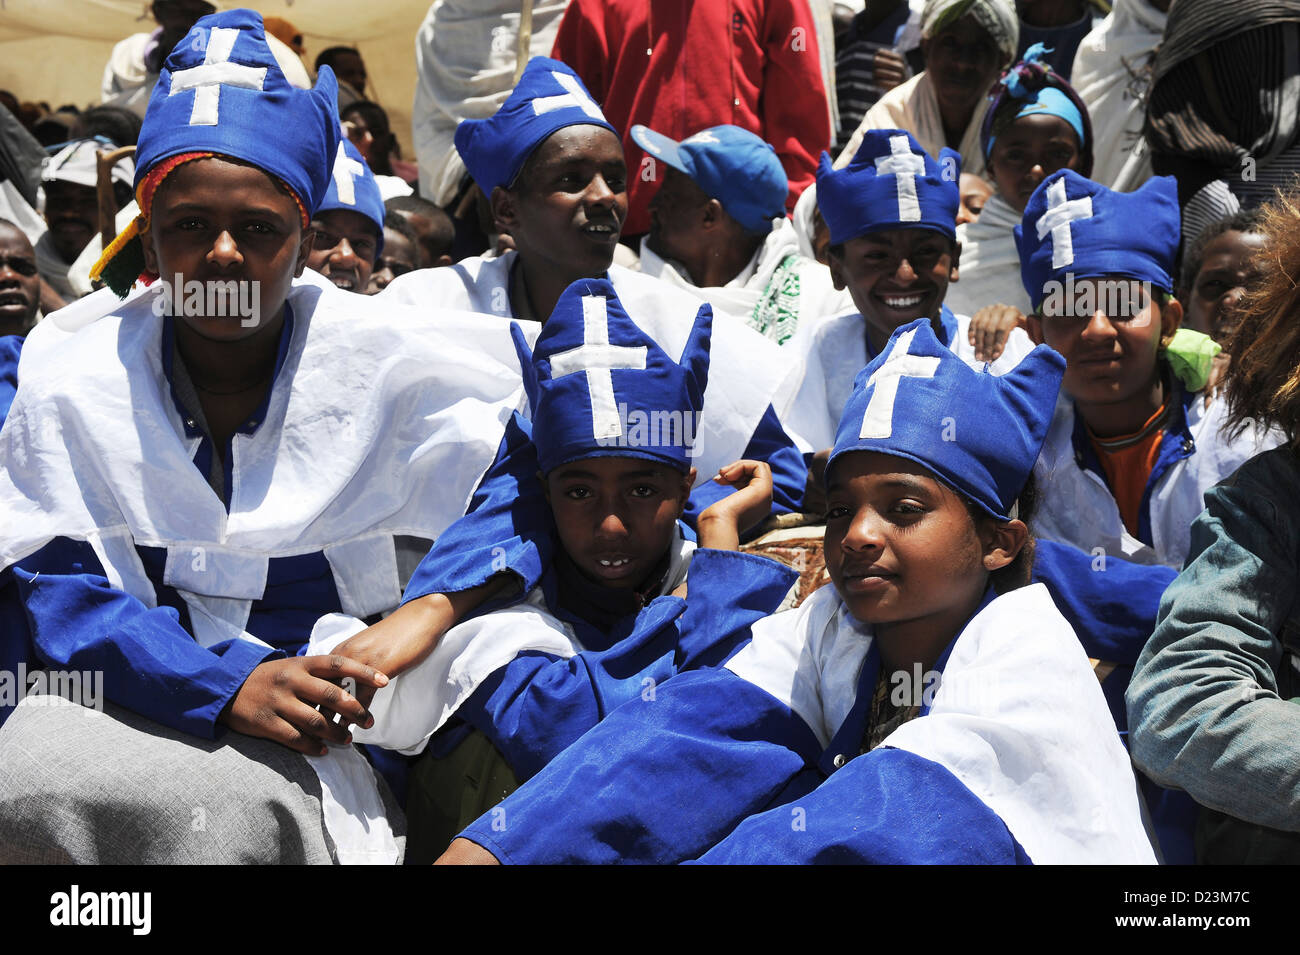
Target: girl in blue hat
926	707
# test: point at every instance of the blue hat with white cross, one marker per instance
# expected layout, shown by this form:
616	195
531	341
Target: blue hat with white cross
222	91
891	183
599	386
548	97
1074	226
353	188
979	433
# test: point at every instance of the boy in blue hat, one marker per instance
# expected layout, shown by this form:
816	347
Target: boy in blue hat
928	707
892	215
1131	451
613	427
718	229
348	225
552	167
194	476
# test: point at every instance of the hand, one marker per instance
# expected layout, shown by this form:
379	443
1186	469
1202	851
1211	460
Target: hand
990	327
409	633
280	699
464	852
889	70
721	523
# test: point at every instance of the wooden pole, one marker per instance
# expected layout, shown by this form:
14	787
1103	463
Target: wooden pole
106	159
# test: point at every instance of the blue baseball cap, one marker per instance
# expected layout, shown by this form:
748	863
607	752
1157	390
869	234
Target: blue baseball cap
729	164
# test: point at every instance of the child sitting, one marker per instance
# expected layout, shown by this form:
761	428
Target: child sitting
928	707
1130	452
1036	124
613	427
892	214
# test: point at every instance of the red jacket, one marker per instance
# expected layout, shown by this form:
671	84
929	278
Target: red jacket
747	62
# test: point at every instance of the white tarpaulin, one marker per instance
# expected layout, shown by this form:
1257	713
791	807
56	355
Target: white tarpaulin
55	50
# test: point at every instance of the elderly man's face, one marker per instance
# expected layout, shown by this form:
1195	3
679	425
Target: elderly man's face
675	215
963	61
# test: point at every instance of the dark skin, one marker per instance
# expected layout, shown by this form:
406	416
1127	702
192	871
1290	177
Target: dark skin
71	211
906	556
689	227
1028	151
1051	13
606	494
963	61
564	213
221	220
399	257
20	285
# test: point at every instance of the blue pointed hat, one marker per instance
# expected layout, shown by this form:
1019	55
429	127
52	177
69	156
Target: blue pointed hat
549	96
1074	226
979	433
891	183
599	386
221	90
353	188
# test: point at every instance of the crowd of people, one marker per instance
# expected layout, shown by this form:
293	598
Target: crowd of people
362	510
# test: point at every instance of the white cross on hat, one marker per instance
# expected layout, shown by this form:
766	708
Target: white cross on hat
878	420
346	171
576	96
905	165
215	72
597	357
1056	220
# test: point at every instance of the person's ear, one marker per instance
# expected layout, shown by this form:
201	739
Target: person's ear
1171	318
684	492
953	275
444	259
1002	541
834	263
305	247
711	214
150	256
1034	327
505	209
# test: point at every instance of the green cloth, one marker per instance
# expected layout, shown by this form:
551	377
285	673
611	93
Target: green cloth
446	794
1191	355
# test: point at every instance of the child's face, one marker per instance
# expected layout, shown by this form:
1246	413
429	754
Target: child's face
615	516
1028	151
896	276
216	221
1110	348
1228	265
568	207
900	544
344	247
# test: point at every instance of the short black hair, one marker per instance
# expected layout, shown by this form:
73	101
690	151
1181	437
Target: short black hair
328	56
1018	573
1247	220
399	223
114	123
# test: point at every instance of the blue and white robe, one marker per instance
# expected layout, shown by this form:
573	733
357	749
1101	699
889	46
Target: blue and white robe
1075	503
1014	759
749	376
11	347
535	676
378	426
830	353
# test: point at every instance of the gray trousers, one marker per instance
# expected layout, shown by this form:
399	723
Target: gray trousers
82	786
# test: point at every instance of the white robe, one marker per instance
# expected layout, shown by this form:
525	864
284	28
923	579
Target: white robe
747	373
990	262
914	107
1105	69
830	356
380	423
814	296
1018	717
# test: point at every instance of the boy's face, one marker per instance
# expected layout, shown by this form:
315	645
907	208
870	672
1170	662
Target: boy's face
399	257
896	276
218	221
615	516
72	213
1109	336
567	208
1228	265
1028	151
900	545
676	216
20	283
344	247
